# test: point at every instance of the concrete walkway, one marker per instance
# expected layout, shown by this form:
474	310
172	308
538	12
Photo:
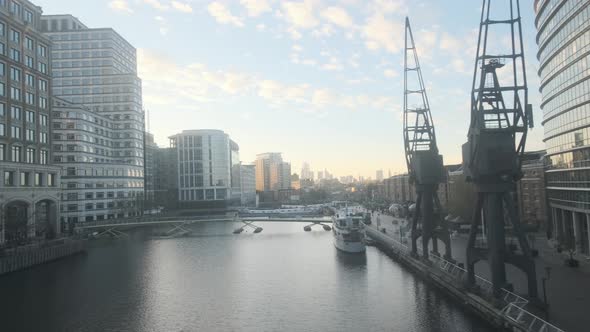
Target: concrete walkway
568	289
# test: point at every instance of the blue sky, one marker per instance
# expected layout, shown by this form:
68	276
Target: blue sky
320	81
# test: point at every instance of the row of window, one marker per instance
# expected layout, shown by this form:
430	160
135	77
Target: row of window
114	184
30	134
579	178
18	154
547	10
80	158
96	90
575	118
91	118
89	195
570	75
15	55
29	179
568	98
571	159
16	76
16	112
563	14
565	34
89	100
15	94
101	171
565	56
203	195
570	198
116	79
15	37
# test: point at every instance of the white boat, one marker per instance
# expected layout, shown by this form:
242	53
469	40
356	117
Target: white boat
349	232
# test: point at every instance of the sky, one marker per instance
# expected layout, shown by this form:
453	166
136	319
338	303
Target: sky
320	81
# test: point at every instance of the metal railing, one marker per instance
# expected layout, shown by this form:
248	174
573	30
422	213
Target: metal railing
514	304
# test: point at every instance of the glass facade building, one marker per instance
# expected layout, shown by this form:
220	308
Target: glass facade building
96	69
563	37
29	189
207	162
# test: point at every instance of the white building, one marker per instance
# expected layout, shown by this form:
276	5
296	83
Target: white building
205	161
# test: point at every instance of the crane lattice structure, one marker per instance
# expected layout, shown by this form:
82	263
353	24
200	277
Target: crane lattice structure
425	164
492	156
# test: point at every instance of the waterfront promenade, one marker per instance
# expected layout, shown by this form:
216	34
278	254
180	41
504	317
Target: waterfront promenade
568	289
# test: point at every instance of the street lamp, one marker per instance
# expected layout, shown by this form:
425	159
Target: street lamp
548	274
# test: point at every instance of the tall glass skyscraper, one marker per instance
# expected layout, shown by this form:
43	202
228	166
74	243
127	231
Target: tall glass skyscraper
563	37
97	68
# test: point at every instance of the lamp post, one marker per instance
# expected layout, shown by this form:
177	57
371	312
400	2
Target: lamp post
547	276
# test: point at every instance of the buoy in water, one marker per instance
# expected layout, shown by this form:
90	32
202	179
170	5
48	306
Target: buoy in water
238	231
327	228
307	228
258	230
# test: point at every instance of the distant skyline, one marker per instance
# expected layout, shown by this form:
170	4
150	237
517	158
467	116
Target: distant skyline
319	81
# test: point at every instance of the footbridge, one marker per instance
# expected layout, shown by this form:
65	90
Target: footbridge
178	225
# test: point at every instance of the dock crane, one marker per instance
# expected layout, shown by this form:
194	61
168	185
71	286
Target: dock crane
425	164
500	114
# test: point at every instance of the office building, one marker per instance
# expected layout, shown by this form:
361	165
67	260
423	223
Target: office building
206	162
248	184
272	173
379	175
150	150
95	71
29	190
563	38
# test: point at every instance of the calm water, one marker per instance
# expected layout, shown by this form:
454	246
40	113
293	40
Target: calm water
282	279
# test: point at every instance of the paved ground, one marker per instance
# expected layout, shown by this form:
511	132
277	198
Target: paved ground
568	289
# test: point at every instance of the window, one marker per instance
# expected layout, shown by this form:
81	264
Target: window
30	135
43	120
2	129
42	67
15	54
2	89
30	98
2	152
30	157
30	62
42	50
14	93
28	16
2	28
24	179
15	112
30	80
16	150
43	138
15	132
2	110
43	157
51	180
43	102
30	116
42	85
2	69
14	36
9	178
2	49
15	8
15	74
38	179
29	43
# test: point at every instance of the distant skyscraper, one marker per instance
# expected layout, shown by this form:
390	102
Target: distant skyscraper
248	184
379	175
272	173
306	173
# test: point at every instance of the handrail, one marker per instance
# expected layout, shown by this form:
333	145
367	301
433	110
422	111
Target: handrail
514	308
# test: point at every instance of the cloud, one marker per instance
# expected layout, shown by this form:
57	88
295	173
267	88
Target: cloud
157	4
450	43
337	16
120	6
182	6
223	15
294	33
334	64
300	14
380	33
167	84
163	25
390	73
256	7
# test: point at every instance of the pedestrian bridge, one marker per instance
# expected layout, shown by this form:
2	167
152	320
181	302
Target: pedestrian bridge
178	224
